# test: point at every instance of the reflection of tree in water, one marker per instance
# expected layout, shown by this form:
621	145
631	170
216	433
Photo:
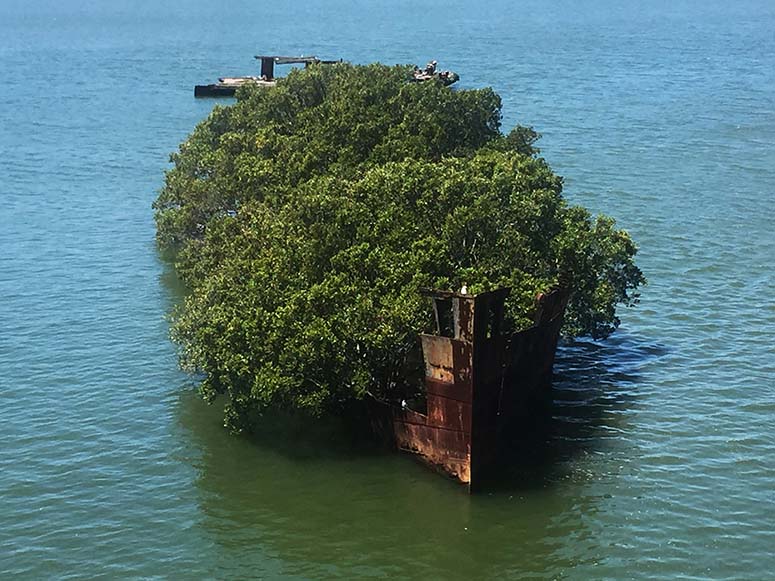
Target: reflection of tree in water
313	510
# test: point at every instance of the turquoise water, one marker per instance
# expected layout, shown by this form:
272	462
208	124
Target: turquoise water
659	460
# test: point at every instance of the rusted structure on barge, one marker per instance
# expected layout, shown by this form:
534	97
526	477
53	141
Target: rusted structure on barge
227	86
479	382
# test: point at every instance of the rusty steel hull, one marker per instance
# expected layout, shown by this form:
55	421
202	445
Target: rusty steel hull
478	385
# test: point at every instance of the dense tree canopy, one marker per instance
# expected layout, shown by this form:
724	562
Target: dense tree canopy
307	218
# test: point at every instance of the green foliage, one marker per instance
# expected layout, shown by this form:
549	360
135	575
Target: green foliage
309	216
323	120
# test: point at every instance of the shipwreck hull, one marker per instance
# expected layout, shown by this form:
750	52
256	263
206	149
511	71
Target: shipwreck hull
479	383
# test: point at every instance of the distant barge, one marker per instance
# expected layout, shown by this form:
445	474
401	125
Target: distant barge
227	86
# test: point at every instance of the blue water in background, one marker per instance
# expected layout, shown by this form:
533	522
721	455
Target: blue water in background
661	454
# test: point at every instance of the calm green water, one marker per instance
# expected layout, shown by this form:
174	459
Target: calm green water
659	460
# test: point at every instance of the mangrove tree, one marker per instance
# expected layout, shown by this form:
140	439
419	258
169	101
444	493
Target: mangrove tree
305	220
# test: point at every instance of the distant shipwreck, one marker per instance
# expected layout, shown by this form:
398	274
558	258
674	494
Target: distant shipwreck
227	86
479	382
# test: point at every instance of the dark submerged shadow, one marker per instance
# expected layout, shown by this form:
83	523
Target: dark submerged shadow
299	437
594	390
